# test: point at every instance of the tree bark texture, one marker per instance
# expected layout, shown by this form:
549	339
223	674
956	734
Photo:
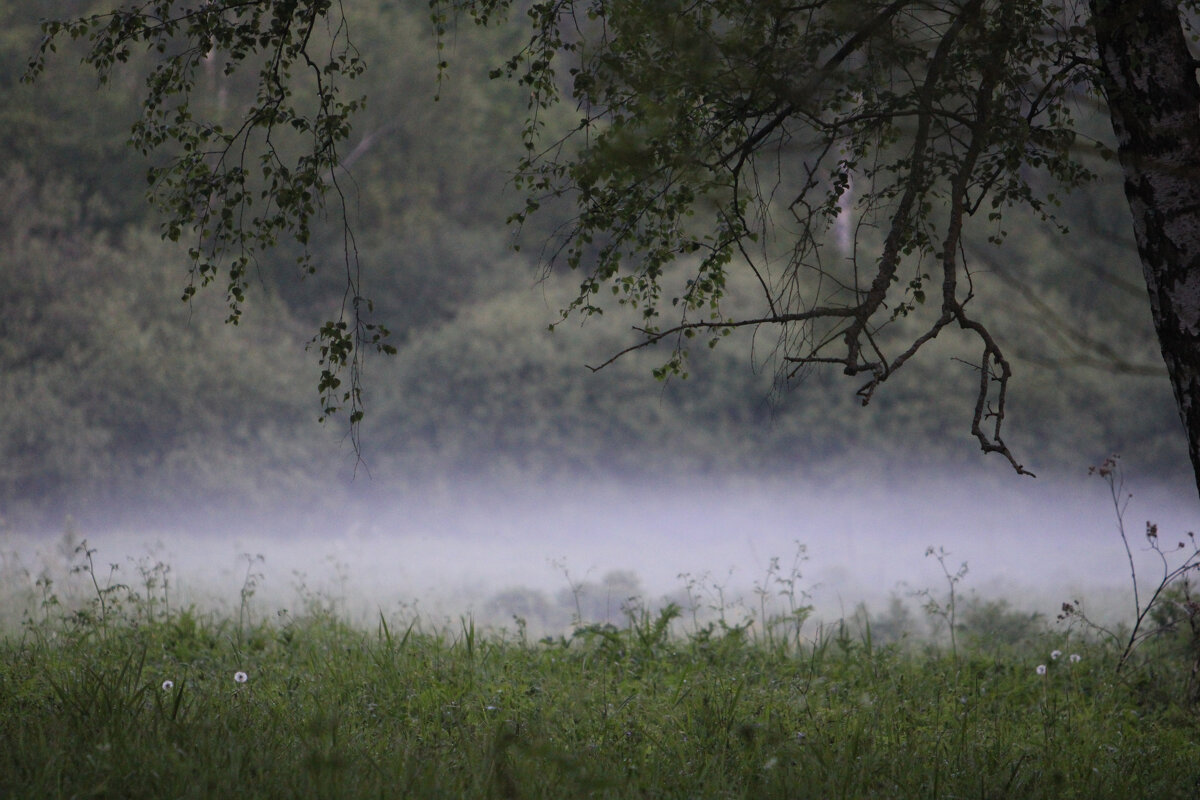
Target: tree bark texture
1149	77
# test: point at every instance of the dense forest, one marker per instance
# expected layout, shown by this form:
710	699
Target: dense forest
114	393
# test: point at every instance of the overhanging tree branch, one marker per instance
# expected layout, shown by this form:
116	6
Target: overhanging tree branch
698	116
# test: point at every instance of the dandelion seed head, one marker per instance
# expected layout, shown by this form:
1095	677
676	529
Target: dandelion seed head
1075	657
1041	669
168	685
1054	655
240	676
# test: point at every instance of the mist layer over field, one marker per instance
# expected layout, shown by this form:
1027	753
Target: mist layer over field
494	552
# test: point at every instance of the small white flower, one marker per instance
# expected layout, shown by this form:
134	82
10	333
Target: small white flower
1075	657
168	685
1055	655
1041	669
241	677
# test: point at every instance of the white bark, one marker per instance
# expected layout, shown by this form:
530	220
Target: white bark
1154	100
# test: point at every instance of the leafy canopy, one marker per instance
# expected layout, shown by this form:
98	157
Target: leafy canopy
830	152
725	137
236	187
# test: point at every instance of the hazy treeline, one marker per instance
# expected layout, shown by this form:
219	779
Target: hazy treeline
112	390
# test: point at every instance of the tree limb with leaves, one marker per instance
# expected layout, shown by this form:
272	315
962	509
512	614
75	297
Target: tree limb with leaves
233	189
720	143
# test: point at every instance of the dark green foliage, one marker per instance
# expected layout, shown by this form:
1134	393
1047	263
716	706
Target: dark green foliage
696	126
110	383
894	625
993	625
122	694
113	389
234	184
332	711
71	132
726	138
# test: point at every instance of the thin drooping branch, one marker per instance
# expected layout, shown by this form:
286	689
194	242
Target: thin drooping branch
237	190
902	219
970	123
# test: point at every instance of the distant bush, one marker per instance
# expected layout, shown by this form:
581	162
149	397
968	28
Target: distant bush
895	624
992	624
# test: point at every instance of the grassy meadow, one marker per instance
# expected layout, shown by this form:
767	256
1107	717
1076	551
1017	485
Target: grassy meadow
109	690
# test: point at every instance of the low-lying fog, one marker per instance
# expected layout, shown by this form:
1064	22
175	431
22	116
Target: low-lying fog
460	550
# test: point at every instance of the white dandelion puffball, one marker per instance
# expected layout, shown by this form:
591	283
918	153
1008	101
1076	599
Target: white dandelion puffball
241	677
1075	657
1055	655
168	685
1041	669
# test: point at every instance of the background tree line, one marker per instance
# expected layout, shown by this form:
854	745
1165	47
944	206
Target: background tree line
113	393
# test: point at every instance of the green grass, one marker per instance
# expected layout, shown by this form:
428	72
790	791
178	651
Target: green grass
719	711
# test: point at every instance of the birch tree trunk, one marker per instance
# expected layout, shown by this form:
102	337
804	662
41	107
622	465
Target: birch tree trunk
1149	76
